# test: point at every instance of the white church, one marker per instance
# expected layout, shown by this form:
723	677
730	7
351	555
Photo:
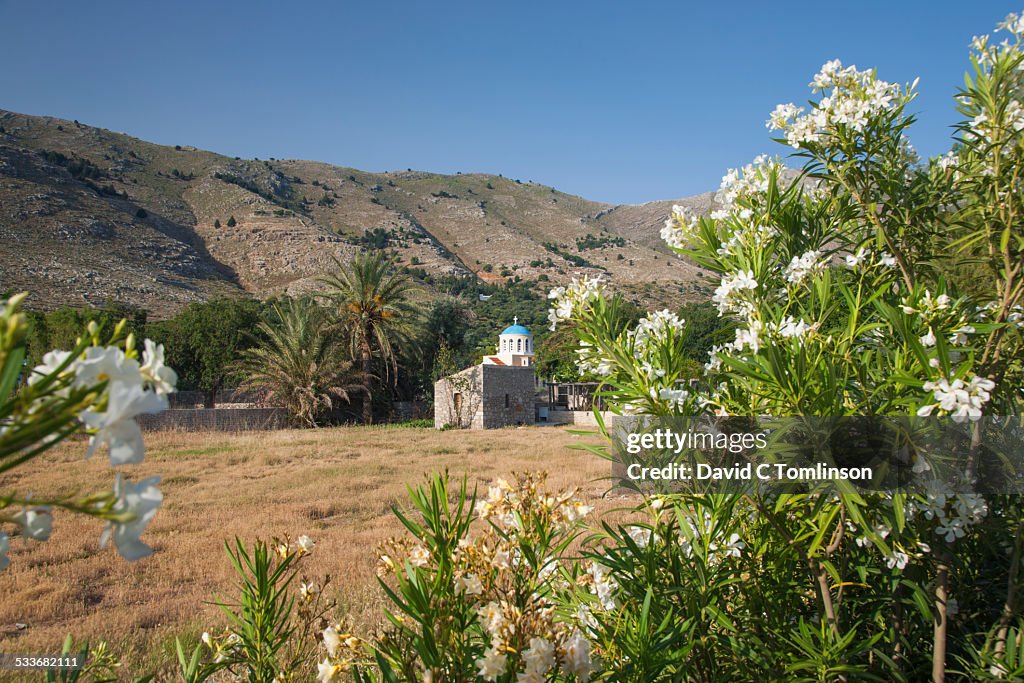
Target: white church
515	347
499	392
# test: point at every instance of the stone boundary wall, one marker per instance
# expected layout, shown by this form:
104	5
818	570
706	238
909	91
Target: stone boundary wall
216	420
182	400
581	418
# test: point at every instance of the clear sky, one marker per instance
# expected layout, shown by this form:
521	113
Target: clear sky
615	101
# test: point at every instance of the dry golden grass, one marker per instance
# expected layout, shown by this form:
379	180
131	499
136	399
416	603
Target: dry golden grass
336	485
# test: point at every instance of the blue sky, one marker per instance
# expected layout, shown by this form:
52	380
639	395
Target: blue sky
615	101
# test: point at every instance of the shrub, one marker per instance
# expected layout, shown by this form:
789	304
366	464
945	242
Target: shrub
871	285
485	604
275	626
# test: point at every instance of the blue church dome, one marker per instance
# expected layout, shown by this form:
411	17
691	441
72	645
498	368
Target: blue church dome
515	328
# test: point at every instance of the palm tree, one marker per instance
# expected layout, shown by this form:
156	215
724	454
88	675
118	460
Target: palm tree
372	304
300	362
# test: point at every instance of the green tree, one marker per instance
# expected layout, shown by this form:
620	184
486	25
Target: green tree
372	302
62	327
232	222
216	223
206	339
300	361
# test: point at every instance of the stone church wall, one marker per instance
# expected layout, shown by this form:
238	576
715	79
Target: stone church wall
508	396
485	397
457	400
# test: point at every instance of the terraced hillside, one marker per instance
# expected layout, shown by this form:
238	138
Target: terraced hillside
89	215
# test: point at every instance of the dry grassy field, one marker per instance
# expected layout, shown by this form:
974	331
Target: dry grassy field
336	485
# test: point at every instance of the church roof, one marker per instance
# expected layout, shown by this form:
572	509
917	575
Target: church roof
515	329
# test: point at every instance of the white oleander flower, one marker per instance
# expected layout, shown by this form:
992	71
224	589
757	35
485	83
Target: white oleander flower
886	260
116	427
731	548
959	336
1014	23
569	299
748	181
162	378
855	97
469	584
141	502
782	115
881	529
51	361
804	266
107	364
791	328
961	401
500	559
332	640
856	260
492	664
492	617
585	618
328	672
898	560
951	530
657	326
539	658
640	535
947	161
725	295
927	306
576	510
35	523
576	657
604	585
676	398
304	544
714	358
680	227
748	338
419	557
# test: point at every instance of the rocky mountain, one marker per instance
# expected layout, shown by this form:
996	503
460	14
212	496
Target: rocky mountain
88	216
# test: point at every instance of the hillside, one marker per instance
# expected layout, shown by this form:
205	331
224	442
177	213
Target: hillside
88	215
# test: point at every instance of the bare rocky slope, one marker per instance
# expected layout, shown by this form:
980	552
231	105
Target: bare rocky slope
89	216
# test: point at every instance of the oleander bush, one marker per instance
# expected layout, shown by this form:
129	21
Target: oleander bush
97	388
